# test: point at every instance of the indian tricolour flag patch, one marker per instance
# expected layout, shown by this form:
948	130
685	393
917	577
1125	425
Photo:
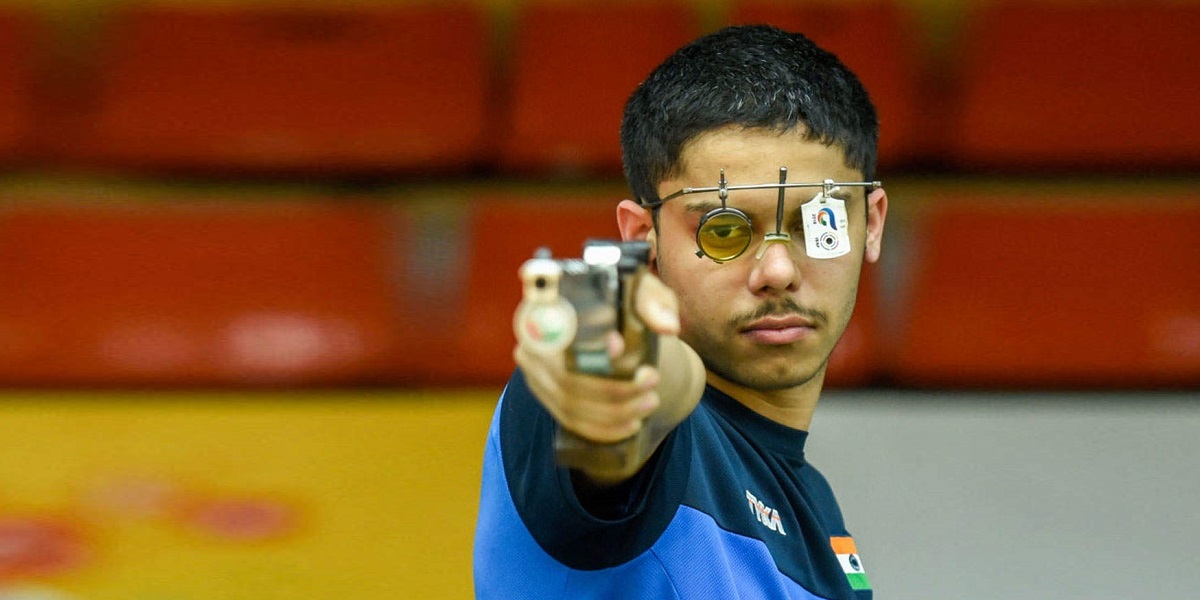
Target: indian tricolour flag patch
851	563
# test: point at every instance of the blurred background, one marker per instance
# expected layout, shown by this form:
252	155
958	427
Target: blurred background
258	257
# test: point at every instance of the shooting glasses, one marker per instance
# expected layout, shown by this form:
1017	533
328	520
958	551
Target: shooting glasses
726	232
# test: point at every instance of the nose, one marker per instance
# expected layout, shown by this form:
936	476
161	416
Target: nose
774	268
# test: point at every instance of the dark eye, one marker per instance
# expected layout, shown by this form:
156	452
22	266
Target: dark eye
723	231
724	236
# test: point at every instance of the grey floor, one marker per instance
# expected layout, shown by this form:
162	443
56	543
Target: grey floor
987	496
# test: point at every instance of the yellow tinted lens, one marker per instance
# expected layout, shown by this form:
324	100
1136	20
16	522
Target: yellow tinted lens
724	236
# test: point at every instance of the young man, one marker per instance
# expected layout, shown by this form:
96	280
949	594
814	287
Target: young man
750	152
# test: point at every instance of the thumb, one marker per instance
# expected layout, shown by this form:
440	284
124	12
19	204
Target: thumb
657	305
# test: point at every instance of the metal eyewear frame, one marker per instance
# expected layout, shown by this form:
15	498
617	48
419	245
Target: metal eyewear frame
723	188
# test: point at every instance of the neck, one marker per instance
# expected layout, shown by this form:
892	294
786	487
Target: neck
792	407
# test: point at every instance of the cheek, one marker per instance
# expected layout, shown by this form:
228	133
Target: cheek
841	286
684	274
698	318
691	307
708	296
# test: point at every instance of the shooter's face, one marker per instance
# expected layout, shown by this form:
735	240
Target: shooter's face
769	320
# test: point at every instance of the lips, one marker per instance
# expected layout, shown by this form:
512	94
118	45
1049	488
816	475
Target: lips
777	330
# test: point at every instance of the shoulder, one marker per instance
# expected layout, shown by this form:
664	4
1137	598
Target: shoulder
823	498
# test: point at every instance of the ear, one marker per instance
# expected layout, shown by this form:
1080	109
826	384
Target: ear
635	222
877	204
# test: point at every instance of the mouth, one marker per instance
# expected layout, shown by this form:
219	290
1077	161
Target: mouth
778	330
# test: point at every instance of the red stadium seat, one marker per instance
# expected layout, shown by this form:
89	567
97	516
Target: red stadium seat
573	67
267	88
19	60
1079	85
878	41
199	293
504	231
1010	292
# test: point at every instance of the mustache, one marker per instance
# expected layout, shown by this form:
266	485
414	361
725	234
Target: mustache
784	307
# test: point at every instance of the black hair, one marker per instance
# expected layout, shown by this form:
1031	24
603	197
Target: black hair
754	76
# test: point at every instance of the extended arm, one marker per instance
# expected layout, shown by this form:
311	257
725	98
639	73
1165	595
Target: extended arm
630	417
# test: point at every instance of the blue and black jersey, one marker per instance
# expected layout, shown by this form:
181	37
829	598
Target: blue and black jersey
726	508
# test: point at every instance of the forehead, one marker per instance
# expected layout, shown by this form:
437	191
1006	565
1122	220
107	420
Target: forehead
751	156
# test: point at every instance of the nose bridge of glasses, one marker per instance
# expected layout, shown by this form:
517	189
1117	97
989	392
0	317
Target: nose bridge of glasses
774	239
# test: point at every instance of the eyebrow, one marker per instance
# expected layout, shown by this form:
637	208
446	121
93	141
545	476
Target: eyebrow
701	206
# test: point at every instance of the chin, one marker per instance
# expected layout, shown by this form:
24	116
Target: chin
762	368
769	380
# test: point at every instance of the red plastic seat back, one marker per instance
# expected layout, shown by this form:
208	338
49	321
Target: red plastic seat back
269	88
1080	85
1046	293
19	60
573	68
198	293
